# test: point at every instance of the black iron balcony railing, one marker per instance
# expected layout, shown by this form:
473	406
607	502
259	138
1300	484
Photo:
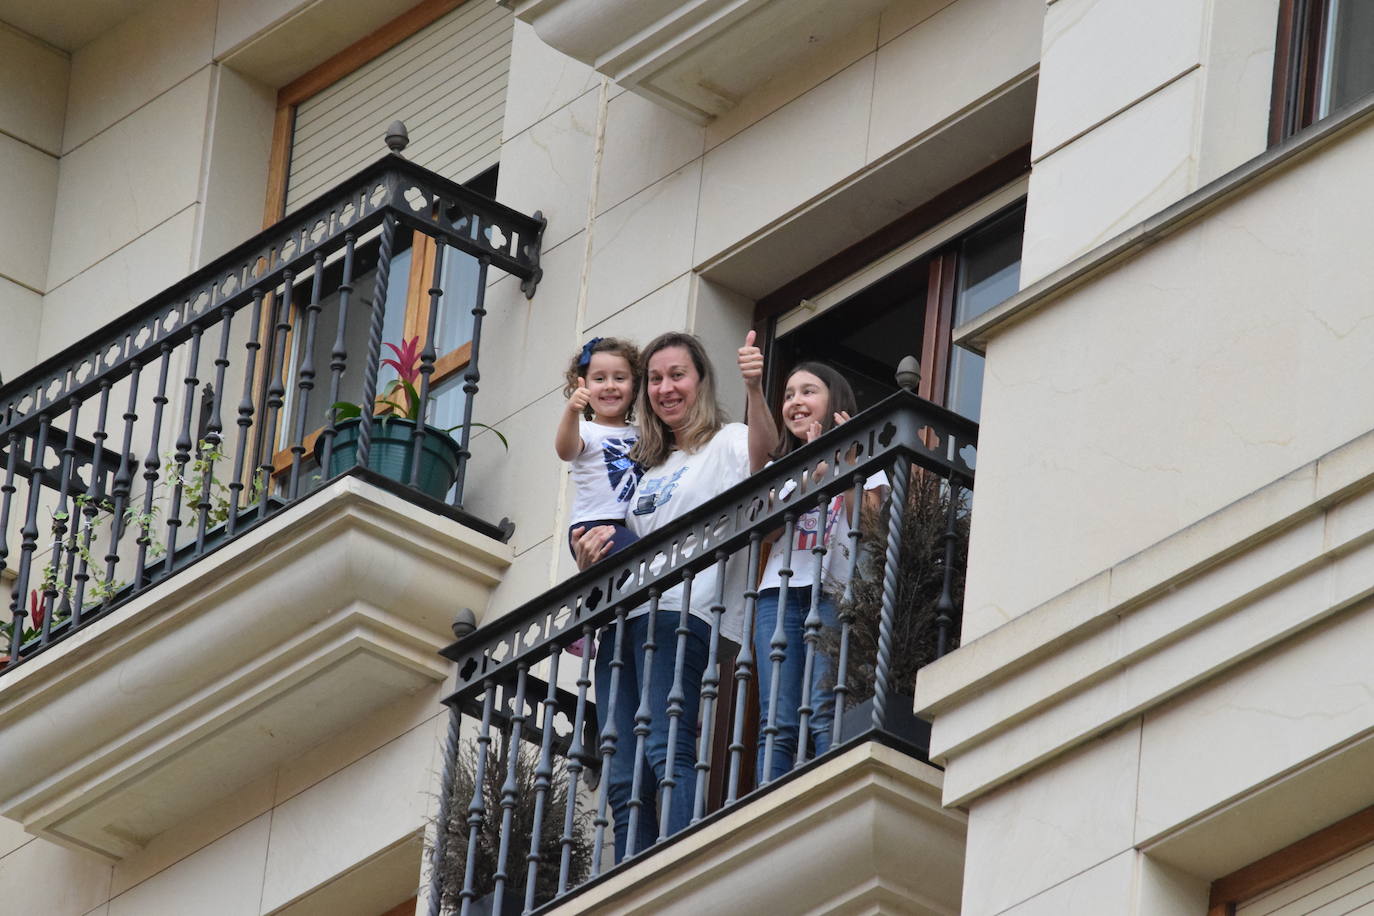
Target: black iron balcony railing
543	750
204	411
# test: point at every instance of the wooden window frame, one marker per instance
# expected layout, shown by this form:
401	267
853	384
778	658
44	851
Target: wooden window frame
423	248
1298	62
941	282
1293	861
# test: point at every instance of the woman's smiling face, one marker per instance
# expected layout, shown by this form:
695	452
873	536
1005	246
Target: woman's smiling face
672	381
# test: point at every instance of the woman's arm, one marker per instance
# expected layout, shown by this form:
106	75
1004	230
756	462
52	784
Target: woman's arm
763	435
567	441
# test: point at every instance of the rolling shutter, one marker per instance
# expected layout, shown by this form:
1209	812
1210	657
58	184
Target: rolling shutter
1338	888
447	82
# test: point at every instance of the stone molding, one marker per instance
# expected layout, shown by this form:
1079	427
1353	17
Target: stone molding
699	57
1264	568
861	831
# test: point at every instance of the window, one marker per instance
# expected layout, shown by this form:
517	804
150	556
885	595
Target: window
1323	61
913	310
442	69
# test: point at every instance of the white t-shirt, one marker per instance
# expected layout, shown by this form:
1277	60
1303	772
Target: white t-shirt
676	487
810	527
603	474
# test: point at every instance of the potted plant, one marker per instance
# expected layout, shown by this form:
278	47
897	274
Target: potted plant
395	418
452	868
920	581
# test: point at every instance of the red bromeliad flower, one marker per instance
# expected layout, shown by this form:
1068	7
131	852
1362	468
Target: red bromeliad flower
35	608
407	366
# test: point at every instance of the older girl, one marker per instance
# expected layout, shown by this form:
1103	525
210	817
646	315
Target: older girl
690	453
815	399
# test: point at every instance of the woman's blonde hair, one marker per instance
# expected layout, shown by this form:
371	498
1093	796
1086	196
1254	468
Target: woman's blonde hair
704	419
581	362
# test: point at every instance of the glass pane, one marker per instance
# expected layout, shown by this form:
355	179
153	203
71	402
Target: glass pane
446	404
1349	57
989	273
453	327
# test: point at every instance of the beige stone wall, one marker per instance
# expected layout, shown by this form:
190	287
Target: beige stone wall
1140	104
336	830
34	77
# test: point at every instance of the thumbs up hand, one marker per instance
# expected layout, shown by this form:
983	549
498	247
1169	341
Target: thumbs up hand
751	363
579	399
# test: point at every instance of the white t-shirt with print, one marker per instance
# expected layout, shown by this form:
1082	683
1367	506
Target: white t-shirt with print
603	475
676	487
810	528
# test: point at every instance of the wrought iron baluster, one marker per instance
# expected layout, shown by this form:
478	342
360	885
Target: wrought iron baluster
811	636
777	653
710	689
53	571
846	613
214	431
677	699
245	416
6	502
182	456
338	356
577	752
89	509
477	808
151	471
508	788
28	543
901	471
427	357
372	366
609	736
470	379
305	378
122	484
276	389
643	716
439	853
744	665
543	782
944	607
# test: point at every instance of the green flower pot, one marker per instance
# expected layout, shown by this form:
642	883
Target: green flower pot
391	452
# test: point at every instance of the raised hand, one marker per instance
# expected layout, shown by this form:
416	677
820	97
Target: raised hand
580	398
751	363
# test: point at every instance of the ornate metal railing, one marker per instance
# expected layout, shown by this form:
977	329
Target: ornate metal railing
489	845
209	408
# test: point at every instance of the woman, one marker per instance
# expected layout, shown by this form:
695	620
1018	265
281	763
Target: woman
690	453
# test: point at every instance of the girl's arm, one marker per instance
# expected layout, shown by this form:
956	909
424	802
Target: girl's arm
567	441
763	435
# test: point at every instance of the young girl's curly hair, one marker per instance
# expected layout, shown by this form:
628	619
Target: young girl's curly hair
581	361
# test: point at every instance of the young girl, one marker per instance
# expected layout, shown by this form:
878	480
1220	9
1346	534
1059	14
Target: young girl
596	435
815	399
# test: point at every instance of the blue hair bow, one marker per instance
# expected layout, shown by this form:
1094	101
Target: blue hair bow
585	359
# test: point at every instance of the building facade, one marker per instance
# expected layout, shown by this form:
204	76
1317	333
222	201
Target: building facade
1123	240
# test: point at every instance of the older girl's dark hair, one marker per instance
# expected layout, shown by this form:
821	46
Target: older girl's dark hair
841	400
704	420
578	369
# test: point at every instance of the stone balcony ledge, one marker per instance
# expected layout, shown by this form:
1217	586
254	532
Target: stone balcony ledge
291	633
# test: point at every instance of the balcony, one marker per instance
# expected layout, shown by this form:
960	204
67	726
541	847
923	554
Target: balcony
526	799
210	566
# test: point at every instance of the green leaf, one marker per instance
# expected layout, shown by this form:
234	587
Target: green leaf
346	410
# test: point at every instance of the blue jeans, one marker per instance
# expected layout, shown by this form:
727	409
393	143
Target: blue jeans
654	768
792	672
